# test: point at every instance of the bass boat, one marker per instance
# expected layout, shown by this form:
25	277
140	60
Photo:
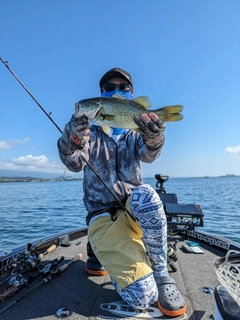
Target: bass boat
47	279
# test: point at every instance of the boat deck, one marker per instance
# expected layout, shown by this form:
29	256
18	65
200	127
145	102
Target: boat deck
90	297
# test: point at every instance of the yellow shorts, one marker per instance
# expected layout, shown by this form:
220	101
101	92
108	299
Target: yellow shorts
119	247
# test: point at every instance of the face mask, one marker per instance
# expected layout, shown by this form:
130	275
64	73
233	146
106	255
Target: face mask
127	95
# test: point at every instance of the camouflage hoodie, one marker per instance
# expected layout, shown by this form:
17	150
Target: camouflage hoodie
118	164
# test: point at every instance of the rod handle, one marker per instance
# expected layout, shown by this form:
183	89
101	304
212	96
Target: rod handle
66	265
50	249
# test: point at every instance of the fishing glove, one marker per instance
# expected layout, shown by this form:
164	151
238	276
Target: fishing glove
152	132
75	135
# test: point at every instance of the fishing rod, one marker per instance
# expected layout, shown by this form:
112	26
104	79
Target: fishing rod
51	270
22	84
18	281
26	261
59	129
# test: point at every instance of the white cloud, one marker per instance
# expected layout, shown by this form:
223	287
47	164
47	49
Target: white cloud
5	145
17	141
233	150
32	163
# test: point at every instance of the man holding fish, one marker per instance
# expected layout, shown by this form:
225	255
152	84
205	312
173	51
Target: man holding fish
130	244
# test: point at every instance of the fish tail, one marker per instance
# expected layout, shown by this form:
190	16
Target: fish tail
170	113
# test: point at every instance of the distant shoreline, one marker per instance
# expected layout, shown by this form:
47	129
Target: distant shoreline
34	179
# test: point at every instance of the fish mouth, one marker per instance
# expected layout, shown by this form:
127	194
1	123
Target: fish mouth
92	114
98	112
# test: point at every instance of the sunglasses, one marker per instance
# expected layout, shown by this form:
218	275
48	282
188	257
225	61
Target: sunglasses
124	87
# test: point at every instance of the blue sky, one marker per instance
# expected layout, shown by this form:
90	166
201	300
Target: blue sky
178	52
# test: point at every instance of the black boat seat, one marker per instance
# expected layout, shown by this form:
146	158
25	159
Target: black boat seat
164	196
161	177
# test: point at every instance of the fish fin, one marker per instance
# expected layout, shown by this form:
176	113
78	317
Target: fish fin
143	101
171	113
106	129
119	96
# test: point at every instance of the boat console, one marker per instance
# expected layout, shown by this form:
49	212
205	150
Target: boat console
179	216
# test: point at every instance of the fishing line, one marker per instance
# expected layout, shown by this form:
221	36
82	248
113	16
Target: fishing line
59	129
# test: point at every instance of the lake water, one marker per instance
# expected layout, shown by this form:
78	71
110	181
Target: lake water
30	210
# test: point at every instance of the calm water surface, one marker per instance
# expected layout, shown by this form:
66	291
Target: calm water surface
31	210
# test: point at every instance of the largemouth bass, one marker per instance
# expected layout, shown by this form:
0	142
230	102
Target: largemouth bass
118	112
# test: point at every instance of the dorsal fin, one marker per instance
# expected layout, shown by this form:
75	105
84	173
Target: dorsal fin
143	101
119	96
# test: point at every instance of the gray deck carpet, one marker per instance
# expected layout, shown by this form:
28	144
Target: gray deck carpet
88	297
